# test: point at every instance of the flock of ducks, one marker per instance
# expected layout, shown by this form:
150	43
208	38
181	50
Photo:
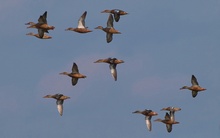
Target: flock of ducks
169	118
114	14
43	26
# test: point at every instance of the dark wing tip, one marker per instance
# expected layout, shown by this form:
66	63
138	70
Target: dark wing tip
84	14
194	94
45	14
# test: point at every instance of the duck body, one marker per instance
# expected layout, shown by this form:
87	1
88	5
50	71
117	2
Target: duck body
109	30
79	30
42	26
75	75
195	88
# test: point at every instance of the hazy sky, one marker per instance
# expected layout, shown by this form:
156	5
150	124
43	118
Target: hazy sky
163	42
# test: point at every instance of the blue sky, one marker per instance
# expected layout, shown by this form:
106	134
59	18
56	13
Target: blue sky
162	43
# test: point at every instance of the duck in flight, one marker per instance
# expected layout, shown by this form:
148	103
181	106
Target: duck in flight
148	115
195	88
116	12
112	65
45	36
81	25
75	75
110	30
60	100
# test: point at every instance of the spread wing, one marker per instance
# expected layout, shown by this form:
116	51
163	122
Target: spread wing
60	107
194	80
75	68
109	37
169	127
43	18
45	15
110	21
172	116
148	122
74	81
194	93
167	116
81	21
41	33
113	71
116	16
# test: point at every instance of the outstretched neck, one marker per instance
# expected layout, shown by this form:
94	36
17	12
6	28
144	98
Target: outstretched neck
64	73
138	112
158	120
184	87
70	29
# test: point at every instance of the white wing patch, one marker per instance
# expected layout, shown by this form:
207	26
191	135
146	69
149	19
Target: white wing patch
80	25
114	73
148	123
60	109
